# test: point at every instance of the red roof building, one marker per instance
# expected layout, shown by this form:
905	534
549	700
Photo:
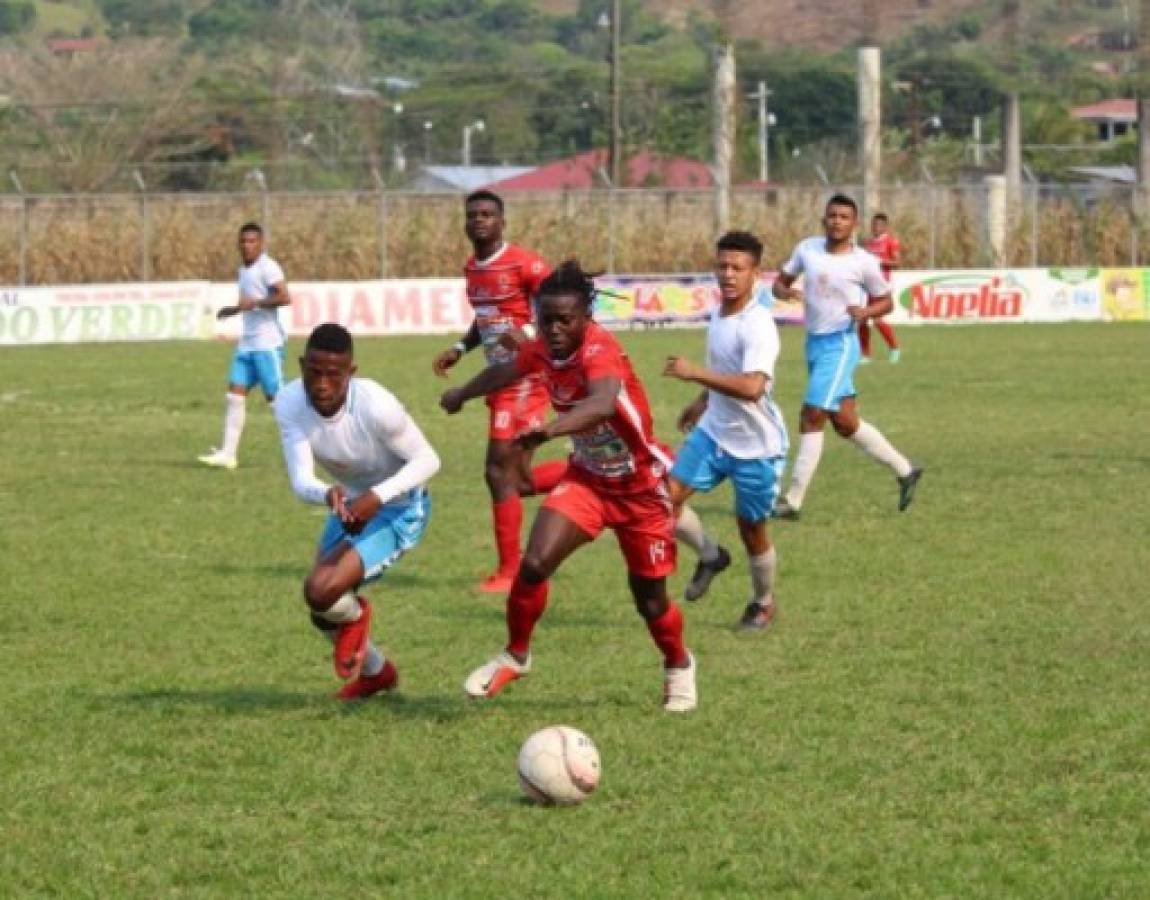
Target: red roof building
1113	117
588	170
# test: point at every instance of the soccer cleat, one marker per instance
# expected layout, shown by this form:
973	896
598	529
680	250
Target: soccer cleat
705	573
758	616
351	643
906	487
217	459
495	584
894	356
366	685
679	691
492	677
784	510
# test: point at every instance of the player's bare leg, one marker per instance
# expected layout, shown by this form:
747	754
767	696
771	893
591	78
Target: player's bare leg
553	538
330	592
665	623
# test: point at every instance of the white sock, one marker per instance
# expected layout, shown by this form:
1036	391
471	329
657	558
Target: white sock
873	444
689	531
806	462
235	412
763	575
345	609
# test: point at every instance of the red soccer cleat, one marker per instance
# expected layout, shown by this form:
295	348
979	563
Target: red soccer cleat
351	643
366	685
495	584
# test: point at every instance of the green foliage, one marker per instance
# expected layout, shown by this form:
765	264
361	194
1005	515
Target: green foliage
225	21
143	17
16	16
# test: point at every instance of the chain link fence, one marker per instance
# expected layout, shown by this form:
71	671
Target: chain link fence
55	239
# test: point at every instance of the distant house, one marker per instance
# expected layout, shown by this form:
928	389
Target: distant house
1113	118
463	178
69	47
588	170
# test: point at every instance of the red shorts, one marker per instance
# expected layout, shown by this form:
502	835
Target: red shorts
517	409
643	522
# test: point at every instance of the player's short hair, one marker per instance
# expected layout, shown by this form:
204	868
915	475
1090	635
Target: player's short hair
330	338
248	227
569	278
742	241
843	200
880	217
489	196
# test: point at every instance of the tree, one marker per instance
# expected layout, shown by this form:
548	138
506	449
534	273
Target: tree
16	16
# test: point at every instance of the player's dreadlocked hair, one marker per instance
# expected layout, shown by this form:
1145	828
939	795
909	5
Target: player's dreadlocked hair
569	278
330	338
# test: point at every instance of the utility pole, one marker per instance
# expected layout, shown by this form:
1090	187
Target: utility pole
1144	109
764	123
615	153
1011	102
870	108
725	90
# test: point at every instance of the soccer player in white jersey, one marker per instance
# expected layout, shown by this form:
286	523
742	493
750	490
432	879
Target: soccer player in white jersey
381	462
738	432
259	356
842	286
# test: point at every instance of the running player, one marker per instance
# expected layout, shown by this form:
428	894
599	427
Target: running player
501	280
259	356
381	462
615	478
740	433
886	247
842	286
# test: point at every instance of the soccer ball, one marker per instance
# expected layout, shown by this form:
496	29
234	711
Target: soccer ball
558	765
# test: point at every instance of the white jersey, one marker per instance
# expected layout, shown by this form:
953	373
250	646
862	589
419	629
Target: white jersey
833	282
747	341
261	328
372	444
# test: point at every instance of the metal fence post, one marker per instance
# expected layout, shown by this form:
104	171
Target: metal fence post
145	228
15	179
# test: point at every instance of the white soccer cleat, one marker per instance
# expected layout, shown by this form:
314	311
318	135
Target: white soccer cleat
492	677
217	459
679	691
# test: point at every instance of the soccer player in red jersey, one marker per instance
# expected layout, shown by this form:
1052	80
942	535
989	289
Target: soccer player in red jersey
501	280
883	244
615	478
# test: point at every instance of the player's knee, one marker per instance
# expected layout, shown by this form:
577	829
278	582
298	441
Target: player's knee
321	590
650	607
533	568
499	477
845	427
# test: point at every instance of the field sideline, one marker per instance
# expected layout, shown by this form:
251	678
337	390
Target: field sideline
953	703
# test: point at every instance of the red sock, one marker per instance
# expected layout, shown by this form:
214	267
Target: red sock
864	338
667	631
887	334
525	604
507	516
546	475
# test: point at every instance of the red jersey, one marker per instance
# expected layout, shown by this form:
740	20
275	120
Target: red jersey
886	247
620	455
499	289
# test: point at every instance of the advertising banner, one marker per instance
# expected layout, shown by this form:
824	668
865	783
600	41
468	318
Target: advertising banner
964	296
106	312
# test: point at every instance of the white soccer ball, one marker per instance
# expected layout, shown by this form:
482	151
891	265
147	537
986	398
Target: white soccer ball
558	765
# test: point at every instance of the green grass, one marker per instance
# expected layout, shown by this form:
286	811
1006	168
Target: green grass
953	702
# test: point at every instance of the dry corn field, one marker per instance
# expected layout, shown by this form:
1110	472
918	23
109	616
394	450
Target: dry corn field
352	236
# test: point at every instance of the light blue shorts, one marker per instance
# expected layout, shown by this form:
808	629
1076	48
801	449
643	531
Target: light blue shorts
394	530
831	363
262	367
702	464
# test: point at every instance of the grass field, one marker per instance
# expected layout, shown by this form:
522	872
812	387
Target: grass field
953	703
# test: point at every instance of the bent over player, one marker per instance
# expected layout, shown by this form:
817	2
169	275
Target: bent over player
381	462
501	279
615	478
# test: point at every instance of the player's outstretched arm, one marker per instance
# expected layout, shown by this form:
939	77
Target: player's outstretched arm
597	407
449	357
301	464
749	386
783	287
491	379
